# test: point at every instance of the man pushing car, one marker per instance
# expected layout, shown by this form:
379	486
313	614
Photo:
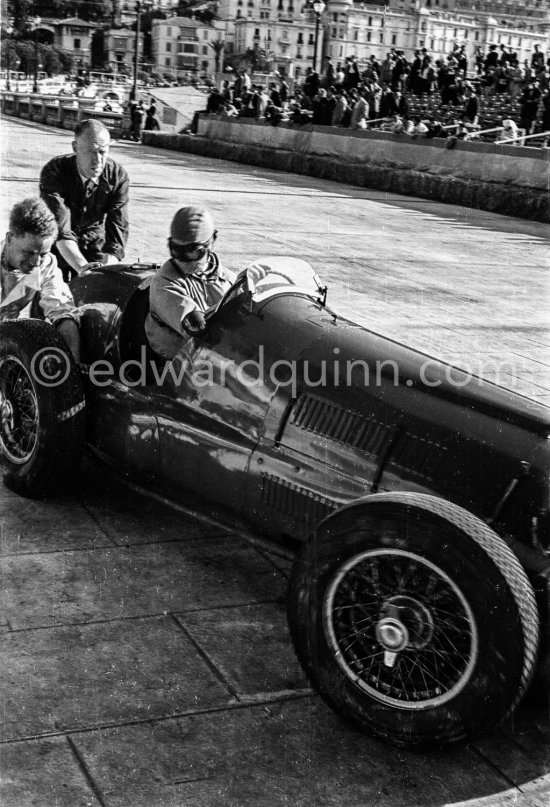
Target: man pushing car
28	270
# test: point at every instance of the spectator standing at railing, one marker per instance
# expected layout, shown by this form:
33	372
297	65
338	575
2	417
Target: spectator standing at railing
414	73
360	111
537	59
501	79
491	59
283	91
462	60
399	67
388	107
402	104
470	113
275	96
386	70
427	77
505	57
320	111
340	108
530	99
517	78
374	96
328	74
351	74
138	120
311	83
339	77
545	117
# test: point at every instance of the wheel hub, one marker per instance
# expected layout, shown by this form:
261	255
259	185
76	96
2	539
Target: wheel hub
392	634
6	411
404	622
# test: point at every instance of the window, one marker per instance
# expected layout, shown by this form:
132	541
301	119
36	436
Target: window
382	37
476	37
188	33
334	31
370	20
168	47
311	39
76	44
432	43
335	17
368	36
168	31
167	62
205	50
355	35
394	40
300	40
205	34
188	48
256	32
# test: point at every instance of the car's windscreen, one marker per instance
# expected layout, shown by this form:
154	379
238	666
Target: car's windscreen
268	277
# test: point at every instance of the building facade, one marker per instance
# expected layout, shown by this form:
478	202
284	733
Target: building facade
72	35
183	47
119	47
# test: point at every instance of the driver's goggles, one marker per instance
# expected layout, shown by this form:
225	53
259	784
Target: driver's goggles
188	252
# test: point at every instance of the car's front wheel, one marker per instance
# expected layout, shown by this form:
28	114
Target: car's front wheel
42	417
414	619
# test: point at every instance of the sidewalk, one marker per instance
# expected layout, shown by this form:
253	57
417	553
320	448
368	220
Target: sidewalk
146	662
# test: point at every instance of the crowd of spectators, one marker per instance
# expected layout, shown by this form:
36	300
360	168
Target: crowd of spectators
421	97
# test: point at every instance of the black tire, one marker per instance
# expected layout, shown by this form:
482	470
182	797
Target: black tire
42	408
414	619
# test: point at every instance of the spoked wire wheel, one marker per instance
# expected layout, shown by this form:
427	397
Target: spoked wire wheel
413	619
19	415
42	421
401	629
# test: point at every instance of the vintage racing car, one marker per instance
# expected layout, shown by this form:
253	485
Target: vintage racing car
415	498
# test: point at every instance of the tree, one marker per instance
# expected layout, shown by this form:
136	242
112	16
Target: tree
21	13
218	47
257	59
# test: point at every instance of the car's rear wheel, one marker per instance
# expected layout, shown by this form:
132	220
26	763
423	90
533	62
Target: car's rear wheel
42	419
414	619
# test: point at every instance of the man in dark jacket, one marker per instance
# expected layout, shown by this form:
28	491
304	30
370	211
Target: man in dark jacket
88	194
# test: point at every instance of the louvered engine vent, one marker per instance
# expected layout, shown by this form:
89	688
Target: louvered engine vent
294	501
339	424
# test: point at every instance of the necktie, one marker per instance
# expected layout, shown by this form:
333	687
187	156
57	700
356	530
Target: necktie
88	188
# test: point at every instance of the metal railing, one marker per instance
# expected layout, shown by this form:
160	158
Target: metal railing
523	138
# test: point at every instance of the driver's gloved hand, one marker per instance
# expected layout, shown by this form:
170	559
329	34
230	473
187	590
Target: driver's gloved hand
194	322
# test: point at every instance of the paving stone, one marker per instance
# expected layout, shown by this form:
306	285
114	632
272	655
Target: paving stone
251	647
118	582
45	526
102	674
43	773
292	753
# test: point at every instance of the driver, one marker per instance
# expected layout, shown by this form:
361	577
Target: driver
188	285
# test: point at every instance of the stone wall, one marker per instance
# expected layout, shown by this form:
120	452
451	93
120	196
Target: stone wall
513	180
